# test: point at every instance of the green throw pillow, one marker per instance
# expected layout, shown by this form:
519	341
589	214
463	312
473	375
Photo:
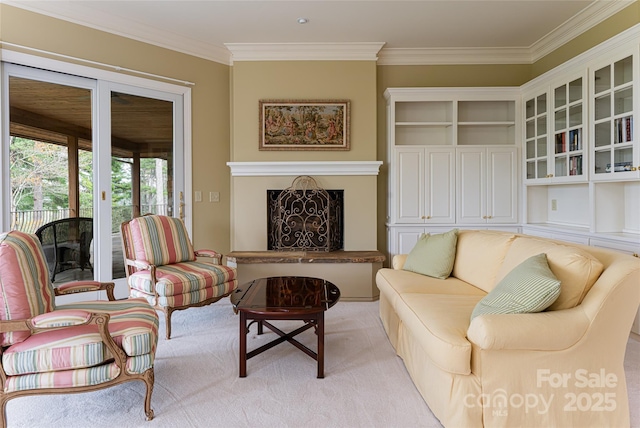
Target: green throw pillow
529	287
433	255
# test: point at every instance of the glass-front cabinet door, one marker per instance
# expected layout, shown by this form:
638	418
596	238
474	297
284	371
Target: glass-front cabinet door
536	129
568	131
614	105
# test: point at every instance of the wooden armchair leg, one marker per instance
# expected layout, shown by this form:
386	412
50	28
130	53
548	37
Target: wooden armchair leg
148	378
167	316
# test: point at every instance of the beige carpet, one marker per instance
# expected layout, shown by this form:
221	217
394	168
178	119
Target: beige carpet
197	382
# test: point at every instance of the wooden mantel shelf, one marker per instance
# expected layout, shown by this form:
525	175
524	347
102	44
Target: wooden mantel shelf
255	257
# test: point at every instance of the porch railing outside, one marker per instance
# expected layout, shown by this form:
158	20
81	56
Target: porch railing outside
30	221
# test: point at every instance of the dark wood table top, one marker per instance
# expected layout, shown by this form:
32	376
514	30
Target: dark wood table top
285	294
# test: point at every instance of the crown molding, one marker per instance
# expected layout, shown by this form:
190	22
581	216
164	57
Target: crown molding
564	33
76	13
445	56
365	51
575	26
253	169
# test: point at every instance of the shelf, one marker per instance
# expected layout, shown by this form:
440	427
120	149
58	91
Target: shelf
486	123
424	124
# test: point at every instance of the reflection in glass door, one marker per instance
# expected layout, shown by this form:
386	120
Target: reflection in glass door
50	166
142	135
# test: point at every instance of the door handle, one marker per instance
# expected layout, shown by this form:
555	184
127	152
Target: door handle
181	206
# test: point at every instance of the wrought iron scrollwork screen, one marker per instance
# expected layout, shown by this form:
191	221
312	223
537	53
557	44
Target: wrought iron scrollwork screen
305	217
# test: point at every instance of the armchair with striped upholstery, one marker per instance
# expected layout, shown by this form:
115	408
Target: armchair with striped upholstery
162	266
50	349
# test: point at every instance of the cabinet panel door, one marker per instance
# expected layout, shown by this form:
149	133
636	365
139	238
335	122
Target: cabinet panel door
440	186
502	187
410	185
471	185
406	239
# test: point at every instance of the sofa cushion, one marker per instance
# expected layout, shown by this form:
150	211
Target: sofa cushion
529	287
479	255
401	282
576	269
183	283
440	322
433	255
133	324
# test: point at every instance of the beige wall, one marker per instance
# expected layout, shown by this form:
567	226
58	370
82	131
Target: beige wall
210	100
303	80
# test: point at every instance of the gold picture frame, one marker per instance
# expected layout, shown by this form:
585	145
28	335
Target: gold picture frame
304	125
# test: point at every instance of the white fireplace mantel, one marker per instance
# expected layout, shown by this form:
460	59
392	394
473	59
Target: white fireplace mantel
246	169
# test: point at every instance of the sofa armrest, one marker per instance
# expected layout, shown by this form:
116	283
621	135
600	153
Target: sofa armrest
398	261
543	331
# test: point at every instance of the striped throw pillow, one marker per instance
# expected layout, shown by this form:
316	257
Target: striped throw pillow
161	240
529	287
433	255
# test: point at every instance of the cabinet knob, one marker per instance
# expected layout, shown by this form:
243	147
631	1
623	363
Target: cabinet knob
636	255
424	217
428	217
490	216
484	216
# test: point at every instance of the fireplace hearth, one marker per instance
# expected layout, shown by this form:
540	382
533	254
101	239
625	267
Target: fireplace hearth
305	217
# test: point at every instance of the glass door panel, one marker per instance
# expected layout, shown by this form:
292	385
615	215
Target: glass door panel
142	154
568	112
50	165
613	119
536	137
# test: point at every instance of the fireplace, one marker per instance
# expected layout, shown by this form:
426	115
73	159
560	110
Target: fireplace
305	217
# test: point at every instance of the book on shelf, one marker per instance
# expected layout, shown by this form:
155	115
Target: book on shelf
624	129
575	165
575	140
619	167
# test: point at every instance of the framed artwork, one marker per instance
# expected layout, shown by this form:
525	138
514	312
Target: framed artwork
304	125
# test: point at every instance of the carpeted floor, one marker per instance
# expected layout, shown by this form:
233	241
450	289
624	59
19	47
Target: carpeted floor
197	384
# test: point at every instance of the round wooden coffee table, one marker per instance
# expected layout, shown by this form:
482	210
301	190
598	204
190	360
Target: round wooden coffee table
284	298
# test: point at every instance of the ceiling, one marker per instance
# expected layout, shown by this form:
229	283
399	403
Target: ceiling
521	29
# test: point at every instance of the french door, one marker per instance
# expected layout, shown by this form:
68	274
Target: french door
98	149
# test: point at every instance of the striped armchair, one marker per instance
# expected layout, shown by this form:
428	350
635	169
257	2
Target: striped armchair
163	268
48	349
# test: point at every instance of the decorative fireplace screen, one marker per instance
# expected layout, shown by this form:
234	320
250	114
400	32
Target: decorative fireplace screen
305	217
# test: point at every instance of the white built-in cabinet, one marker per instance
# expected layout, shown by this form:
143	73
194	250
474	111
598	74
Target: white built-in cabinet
581	152
453	161
554	131
425	185
487	185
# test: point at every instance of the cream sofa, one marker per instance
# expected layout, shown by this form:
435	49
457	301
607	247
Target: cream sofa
560	367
